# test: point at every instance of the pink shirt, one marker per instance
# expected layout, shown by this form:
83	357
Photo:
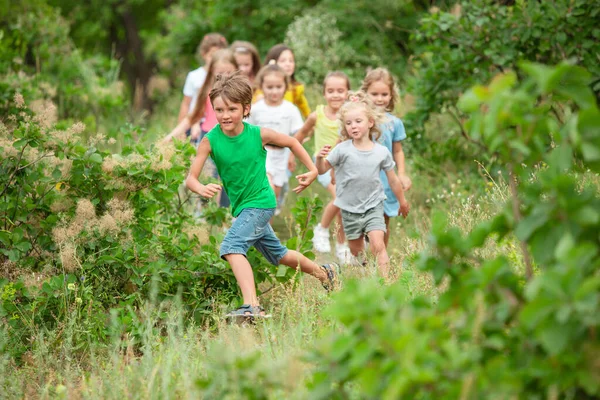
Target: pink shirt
210	118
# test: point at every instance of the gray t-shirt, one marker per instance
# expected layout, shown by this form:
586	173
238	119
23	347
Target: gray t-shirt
358	187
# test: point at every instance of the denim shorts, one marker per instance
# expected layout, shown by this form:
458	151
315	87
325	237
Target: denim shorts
356	225
252	228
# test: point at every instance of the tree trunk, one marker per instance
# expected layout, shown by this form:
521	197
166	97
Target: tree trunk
136	66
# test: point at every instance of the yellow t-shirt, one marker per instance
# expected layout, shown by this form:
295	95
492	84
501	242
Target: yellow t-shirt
294	94
327	132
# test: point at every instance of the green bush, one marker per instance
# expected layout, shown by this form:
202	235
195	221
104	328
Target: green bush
515	330
84	231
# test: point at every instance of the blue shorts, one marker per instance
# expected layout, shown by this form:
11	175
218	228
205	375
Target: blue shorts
391	203
252	228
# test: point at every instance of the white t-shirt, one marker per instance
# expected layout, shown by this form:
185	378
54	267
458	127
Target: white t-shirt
284	118
193	83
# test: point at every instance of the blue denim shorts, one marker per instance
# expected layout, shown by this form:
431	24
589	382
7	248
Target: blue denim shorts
252	228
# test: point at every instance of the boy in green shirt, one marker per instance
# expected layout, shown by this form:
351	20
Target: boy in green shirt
237	149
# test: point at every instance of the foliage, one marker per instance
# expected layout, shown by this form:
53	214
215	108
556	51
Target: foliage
84	230
496	328
40	61
455	50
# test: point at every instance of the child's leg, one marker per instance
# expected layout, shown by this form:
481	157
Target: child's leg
276	253
245	231
357	246
243	275
374	225
330	212
386	237
377	247
296	260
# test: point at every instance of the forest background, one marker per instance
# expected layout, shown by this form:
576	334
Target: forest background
108	286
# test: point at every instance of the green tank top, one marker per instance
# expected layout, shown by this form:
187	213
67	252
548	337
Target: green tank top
327	132
240	161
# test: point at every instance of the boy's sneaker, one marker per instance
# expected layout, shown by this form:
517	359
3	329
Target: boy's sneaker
342	251
321	239
332	270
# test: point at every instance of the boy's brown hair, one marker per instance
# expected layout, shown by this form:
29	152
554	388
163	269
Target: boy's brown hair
223	55
232	88
383	75
211	40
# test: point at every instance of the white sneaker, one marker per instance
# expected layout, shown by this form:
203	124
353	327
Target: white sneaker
321	239
342	251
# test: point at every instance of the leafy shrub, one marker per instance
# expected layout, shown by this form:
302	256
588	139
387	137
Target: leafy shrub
525	329
84	231
317	45
479	39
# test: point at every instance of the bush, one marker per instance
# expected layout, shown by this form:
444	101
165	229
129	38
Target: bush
526	329
84	231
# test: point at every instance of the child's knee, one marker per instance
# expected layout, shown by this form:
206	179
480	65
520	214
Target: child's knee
377	245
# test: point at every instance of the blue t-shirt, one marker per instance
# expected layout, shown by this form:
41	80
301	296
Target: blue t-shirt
391	131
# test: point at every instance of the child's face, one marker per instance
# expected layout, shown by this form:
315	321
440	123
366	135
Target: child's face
380	93
335	91
230	115
207	57
286	62
223	67
244	62
357	123
273	86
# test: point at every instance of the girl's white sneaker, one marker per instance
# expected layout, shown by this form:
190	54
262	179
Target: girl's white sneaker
321	239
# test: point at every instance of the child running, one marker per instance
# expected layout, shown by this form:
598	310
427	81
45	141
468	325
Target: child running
247	58
327	133
222	62
275	113
283	56
237	149
357	162
379	86
210	43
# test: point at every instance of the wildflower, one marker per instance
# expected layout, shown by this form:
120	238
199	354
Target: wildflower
112	141
78	300
85	210
19	100
68	257
71	286
108	225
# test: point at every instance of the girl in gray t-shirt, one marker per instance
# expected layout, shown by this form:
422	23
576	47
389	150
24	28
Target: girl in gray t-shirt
357	162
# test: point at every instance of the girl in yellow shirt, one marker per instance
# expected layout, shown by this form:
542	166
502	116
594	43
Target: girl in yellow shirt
284	58
327	133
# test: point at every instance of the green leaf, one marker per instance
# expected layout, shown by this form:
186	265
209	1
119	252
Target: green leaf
96	158
554	337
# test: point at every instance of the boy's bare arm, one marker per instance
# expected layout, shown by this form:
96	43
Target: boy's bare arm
398	154
192	181
396	187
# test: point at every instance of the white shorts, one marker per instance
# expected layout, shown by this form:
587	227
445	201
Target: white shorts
278	177
277	163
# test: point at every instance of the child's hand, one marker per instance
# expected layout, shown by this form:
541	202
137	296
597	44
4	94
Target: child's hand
324	151
195	132
304	180
404	208
405	181
208	191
